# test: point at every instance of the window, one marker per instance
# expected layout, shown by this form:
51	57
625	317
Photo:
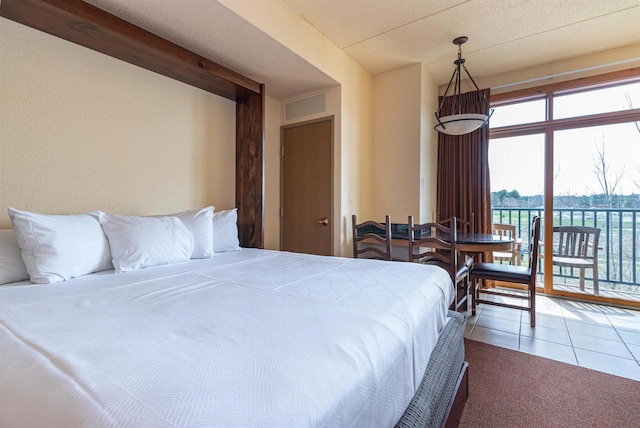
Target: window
616	98
523	112
572	150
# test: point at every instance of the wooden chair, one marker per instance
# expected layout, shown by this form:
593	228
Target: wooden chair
373	238
509	273
462	226
508	231
577	247
466	226
435	244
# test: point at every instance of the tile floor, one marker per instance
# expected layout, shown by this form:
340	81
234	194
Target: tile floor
598	337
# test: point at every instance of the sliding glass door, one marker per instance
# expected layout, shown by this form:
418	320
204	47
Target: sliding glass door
571	152
596	184
516	165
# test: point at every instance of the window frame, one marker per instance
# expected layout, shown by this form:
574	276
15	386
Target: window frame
548	127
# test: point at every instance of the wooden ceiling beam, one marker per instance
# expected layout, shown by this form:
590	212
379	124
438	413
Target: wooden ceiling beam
94	28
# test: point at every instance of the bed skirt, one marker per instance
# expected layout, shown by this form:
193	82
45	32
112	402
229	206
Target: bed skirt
435	396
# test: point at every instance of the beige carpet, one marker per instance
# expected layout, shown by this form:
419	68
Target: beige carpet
513	389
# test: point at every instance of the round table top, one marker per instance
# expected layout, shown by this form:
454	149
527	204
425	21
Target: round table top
483	242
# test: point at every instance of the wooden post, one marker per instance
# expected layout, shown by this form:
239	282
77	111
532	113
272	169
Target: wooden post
250	169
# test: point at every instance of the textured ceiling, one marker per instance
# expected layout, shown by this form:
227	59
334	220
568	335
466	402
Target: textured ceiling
504	35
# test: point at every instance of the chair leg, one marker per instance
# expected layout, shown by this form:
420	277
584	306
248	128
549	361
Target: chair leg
473	297
532	296
582	279
466	293
462	295
596	286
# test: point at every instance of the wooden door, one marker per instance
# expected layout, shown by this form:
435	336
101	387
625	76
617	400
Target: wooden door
306	211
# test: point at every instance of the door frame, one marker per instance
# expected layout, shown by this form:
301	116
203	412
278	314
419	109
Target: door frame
332	222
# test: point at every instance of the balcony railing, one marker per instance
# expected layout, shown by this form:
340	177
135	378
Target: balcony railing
619	246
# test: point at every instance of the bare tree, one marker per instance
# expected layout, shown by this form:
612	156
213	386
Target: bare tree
637	125
630	105
608	181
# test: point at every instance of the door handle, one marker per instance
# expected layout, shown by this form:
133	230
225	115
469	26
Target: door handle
324	221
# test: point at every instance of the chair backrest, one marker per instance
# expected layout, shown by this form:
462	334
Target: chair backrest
466	226
371	237
534	243
462	226
576	241
434	242
506	230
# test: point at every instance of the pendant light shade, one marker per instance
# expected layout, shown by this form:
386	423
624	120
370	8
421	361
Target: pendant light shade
455	122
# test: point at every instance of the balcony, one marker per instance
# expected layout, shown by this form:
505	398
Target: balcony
619	247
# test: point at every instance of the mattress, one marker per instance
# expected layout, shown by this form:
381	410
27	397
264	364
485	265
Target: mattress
253	338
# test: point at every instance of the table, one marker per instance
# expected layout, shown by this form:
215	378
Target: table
482	242
474	244
467	242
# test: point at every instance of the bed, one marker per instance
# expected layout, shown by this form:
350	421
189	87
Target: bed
246	338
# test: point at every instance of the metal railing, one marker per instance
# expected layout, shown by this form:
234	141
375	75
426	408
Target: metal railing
619	248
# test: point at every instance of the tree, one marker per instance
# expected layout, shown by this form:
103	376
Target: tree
513	194
498	197
630	105
608	181
637	125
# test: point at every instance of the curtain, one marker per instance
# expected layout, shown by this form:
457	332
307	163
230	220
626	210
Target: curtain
463	168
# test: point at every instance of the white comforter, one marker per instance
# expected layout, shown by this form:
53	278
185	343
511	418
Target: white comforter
253	338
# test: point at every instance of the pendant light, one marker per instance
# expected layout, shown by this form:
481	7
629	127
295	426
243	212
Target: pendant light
460	123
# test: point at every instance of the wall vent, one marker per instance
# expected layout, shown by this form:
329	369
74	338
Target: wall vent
306	107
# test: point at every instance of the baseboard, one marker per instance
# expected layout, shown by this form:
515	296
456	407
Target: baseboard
458	399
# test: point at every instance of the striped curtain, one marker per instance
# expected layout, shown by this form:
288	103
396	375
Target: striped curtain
463	169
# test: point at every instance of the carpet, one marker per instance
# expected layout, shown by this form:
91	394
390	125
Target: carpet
513	389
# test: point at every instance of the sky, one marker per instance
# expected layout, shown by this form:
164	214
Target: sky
518	163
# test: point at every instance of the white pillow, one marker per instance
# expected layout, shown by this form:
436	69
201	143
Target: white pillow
56	248
225	231
140	242
199	223
12	267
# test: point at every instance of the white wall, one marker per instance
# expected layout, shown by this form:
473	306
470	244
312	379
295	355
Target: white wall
428	147
272	174
397	144
405	159
81	131
354	129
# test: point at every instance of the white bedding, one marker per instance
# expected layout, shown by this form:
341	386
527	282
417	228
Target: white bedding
253	338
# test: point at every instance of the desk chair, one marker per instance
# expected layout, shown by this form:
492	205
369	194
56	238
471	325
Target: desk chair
509	273
440	244
377	236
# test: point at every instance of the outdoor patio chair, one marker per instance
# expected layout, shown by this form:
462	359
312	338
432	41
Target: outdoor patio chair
577	247
508	231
